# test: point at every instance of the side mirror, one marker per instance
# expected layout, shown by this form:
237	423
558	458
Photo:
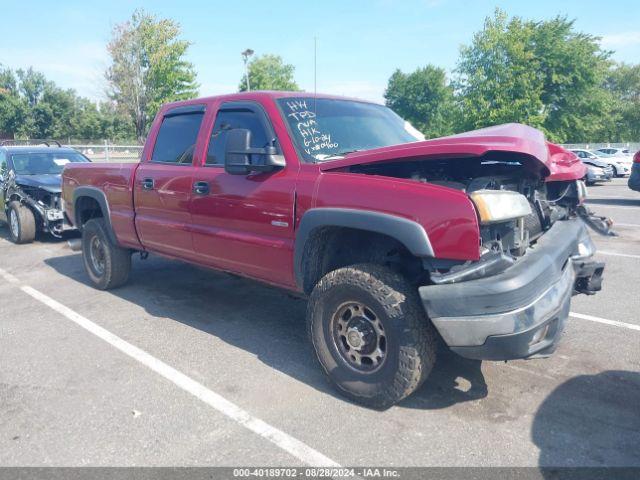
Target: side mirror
238	152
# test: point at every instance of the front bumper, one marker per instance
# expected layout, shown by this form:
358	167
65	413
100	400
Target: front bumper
599	177
521	312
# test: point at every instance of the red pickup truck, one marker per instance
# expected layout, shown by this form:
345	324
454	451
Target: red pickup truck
474	239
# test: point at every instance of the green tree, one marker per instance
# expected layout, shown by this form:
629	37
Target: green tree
33	107
574	69
148	68
31	85
544	74
424	98
269	72
497	80
12	108
623	84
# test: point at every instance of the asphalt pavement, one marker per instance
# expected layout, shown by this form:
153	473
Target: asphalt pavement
189	367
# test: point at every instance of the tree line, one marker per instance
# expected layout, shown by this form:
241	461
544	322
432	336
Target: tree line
542	73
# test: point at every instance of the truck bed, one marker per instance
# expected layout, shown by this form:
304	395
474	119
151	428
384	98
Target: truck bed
116	181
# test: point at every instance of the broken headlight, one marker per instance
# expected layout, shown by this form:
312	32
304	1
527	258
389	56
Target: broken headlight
500	205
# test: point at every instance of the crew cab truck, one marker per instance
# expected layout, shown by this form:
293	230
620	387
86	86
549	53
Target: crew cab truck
474	239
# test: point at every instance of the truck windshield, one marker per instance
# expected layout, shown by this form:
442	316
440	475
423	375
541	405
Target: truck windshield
327	129
43	163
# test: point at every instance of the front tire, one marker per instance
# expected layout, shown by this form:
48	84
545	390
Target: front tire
22	223
370	334
107	264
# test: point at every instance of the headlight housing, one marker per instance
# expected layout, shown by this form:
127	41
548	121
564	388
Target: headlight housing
500	205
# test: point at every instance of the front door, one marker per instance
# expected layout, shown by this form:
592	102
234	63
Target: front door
244	223
164	182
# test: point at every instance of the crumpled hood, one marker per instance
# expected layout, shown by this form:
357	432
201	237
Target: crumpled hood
51	182
549	160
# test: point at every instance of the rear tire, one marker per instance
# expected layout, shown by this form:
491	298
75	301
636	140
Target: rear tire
370	334
107	264
22	223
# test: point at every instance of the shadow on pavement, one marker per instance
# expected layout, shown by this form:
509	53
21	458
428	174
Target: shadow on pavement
266	321
590	420
625	202
453	380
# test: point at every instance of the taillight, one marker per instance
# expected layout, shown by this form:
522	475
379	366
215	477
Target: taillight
636	157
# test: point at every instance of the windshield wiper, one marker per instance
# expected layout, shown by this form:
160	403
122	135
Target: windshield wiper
335	156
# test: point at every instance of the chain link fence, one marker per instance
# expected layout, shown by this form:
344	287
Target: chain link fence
107	152
631	146
97	151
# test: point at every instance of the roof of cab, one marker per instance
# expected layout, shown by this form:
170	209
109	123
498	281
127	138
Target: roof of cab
257	95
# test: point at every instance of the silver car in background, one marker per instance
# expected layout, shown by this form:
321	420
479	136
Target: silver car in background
599	169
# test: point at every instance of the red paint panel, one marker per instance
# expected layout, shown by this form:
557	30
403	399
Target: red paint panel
162	217
448	216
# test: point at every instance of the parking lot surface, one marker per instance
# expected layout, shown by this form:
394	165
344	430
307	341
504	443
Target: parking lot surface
185	366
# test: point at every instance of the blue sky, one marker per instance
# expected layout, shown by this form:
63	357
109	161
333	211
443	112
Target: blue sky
360	43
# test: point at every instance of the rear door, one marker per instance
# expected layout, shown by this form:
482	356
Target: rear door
244	223
163	183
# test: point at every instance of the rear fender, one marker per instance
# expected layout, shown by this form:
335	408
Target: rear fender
100	197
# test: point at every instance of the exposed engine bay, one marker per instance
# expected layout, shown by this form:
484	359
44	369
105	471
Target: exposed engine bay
504	240
43	201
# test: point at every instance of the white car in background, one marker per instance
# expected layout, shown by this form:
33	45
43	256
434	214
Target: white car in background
614	152
618	155
620	165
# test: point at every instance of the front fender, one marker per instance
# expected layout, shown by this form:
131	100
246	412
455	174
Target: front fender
411	234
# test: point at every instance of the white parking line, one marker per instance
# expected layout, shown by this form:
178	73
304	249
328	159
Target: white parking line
281	439
616	254
618	224
615	323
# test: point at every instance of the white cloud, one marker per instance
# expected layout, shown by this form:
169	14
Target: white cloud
622	39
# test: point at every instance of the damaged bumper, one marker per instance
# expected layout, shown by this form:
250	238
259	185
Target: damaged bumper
520	312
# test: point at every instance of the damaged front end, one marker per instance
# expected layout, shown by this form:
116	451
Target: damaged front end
534	254
43	198
516	207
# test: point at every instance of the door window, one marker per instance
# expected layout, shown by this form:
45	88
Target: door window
176	139
230	119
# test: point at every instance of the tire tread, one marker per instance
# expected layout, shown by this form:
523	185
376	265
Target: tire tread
400	301
26	222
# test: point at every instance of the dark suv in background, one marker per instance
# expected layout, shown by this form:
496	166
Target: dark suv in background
30	186
634	178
